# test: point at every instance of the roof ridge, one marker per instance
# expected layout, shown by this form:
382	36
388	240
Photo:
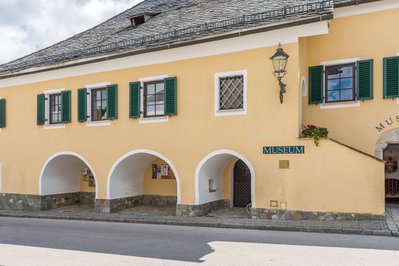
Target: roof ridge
280	11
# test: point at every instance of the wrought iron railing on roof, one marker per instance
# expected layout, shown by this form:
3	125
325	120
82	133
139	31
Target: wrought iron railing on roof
272	15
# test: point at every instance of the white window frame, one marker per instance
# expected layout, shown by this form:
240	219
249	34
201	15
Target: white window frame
236	112
150	120
0	132
304	87
89	122
337	105
47	94
1	178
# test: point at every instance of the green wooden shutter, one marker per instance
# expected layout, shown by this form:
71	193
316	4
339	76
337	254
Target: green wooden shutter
82	105
170	96
134	100
112	102
391	77
315	84
66	106
41	113
365	79
2	113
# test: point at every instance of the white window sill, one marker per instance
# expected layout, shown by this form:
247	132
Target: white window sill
54	126
230	112
325	106
151	120
98	123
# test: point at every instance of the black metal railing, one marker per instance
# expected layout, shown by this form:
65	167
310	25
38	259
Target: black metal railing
272	15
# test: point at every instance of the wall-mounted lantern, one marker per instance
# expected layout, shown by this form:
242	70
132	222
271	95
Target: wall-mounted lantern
279	60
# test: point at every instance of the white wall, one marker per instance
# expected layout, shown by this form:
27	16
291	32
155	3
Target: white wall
212	169
127	178
62	175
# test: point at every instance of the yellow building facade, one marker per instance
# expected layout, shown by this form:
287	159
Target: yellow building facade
200	126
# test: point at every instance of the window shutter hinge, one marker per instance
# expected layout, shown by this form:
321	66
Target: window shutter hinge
46	99
87	93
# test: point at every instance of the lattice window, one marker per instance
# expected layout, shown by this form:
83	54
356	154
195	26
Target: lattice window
231	93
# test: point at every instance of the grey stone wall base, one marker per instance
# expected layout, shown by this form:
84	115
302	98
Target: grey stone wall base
43	203
20	202
87	198
49	202
159	201
202	209
115	205
272	214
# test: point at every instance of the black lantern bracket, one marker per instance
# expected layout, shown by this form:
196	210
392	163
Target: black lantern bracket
279	60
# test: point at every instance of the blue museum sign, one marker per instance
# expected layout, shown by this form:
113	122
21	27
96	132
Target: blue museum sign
284	150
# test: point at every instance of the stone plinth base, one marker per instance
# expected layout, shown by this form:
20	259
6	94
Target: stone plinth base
272	214
202	209
114	205
42	203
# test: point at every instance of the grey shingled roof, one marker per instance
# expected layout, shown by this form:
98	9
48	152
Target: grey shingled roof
339	3
175	21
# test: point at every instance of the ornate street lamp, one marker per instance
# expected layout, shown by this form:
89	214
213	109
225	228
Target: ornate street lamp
279	60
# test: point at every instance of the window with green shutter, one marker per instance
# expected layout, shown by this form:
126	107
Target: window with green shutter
55	108
2	113
112	102
66	106
340	83
134	99
41	109
154	98
82	105
171	96
315	84
391	77
365	79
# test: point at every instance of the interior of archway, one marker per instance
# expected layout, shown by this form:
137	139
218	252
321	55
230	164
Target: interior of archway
67	180
142	179
391	158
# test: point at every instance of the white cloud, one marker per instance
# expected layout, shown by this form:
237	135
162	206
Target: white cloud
29	25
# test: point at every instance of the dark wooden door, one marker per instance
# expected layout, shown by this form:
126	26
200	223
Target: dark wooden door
242	185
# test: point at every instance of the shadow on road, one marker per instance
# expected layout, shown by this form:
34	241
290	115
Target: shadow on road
188	244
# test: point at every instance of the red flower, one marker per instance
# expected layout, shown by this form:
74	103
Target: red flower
311	126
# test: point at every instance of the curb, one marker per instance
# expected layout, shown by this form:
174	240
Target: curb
145	220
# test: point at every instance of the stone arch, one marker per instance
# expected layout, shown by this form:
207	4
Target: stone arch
212	167
125	178
386	138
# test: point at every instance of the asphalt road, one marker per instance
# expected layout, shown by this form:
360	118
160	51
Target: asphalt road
58	242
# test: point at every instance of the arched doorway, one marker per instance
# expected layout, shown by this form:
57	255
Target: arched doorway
215	181
391	158
387	149
143	177
241	185
67	179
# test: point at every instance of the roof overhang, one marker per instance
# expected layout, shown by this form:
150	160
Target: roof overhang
229	35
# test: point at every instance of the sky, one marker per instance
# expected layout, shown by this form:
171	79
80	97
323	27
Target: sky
30	25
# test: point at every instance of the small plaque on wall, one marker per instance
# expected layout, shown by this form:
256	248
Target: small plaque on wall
284	164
